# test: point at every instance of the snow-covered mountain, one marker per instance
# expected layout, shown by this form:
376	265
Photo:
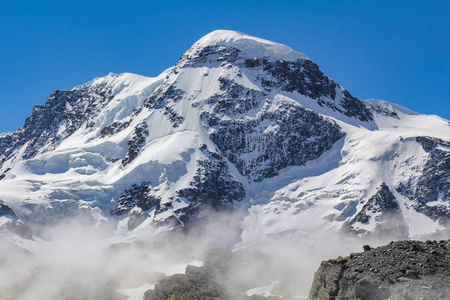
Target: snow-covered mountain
238	124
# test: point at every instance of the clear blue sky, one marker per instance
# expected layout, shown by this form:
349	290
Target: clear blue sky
393	50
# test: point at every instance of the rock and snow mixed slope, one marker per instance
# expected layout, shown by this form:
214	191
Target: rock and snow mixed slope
239	123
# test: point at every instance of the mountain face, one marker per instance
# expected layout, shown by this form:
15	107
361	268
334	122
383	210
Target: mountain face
238	124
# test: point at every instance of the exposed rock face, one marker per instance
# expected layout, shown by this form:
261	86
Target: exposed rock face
430	192
213	187
197	283
281	134
63	113
258	134
139	195
400	270
163	99
136	142
382	201
305	77
383	209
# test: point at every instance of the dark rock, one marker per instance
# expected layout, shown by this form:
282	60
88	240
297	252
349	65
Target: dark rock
305	77
367	248
211	55
136	142
383	201
401	272
369	291
113	128
163	99
416	247
383	209
69	109
412	275
432	183
139	195
261	145
213	187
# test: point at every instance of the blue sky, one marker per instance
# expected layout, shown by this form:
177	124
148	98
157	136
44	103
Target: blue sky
392	50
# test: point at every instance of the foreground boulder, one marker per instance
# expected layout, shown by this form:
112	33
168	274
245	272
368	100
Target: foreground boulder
400	270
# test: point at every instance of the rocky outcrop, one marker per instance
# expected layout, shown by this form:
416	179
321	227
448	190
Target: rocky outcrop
382	209
139	195
224	275
382	201
430	192
400	270
281	134
136	142
213	187
49	124
304	77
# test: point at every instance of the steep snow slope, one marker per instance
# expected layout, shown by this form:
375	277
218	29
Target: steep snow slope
239	123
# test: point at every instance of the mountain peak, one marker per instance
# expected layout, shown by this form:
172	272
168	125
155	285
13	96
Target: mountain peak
251	45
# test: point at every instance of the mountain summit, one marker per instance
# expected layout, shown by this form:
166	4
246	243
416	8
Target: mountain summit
251	46
238	124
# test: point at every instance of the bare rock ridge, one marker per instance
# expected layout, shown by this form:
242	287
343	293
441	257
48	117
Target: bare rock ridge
399	270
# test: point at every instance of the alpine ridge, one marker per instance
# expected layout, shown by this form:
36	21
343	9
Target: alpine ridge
238	124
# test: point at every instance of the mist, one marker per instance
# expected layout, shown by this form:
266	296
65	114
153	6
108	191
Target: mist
77	261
